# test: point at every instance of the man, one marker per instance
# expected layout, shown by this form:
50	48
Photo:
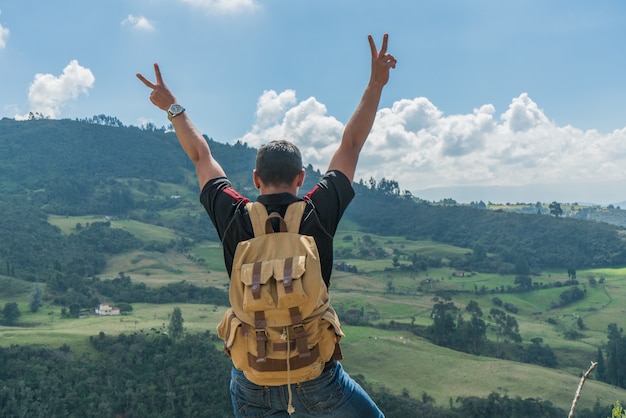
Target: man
278	176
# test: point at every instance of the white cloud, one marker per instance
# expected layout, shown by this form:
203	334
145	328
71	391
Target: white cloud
48	94
225	6
523	114
138	23
414	143
279	116
4	35
271	107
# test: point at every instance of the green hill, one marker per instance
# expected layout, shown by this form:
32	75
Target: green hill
95	213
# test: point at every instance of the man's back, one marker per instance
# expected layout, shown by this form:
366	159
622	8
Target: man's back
326	203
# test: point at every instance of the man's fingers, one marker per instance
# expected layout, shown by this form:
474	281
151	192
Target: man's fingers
383	49
372	46
157	71
145	81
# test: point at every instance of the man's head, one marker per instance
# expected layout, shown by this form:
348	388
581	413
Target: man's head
278	163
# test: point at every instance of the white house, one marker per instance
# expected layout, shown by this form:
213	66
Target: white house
106	309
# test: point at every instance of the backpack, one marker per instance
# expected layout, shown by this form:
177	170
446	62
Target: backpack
281	327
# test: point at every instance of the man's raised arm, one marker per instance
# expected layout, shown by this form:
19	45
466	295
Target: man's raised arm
190	138
358	127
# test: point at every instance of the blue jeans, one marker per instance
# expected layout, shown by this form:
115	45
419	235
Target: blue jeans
334	394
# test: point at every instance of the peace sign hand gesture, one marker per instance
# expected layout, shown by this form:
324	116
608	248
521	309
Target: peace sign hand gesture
161	96
381	61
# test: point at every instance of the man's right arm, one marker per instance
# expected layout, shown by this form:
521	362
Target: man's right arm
358	127
190	138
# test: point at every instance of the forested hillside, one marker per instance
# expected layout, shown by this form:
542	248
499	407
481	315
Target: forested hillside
66	167
67	186
541	241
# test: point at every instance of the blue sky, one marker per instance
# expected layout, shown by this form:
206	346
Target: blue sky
493	100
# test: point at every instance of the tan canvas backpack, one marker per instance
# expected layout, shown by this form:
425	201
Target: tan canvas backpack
281	327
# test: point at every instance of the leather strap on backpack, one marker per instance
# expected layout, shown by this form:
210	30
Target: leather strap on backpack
299	332
256	280
261	336
276	365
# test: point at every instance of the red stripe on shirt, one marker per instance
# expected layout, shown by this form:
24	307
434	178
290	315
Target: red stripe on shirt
235	194
313	190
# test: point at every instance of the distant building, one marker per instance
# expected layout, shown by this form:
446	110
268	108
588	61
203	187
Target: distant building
106	309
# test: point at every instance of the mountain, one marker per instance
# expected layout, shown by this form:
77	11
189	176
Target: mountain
79	173
589	194
72	168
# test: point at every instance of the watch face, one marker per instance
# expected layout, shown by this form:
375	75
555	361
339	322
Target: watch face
175	109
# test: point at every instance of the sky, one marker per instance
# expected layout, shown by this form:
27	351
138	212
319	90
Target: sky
493	100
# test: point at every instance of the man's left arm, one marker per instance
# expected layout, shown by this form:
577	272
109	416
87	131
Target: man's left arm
190	138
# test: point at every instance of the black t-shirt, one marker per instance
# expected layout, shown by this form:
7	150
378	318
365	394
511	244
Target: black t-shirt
326	203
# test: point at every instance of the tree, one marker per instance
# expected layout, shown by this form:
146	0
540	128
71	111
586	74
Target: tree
618	411
571	295
10	313
175	328
125	307
601	367
389	187
473	309
555	209
390	287
521	266
479	253
443	327
524	282
36	299
506	325
571	273
74	310
540	354
616	357
473	331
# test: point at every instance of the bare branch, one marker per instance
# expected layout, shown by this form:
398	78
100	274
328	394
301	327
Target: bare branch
580	388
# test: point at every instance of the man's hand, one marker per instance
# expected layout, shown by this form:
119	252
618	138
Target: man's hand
161	96
381	61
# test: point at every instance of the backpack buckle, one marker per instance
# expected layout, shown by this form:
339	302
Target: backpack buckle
298	331
261	334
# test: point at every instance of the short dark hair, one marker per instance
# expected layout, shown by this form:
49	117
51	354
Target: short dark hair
278	162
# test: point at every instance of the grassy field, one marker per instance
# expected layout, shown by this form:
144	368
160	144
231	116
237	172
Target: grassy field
395	360
403	361
143	231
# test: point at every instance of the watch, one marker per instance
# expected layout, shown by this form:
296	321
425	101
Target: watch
174	110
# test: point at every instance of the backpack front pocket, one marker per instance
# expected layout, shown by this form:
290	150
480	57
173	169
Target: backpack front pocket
288	274
258	294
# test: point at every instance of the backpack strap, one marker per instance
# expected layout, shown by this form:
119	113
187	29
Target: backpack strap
259	217
293	216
